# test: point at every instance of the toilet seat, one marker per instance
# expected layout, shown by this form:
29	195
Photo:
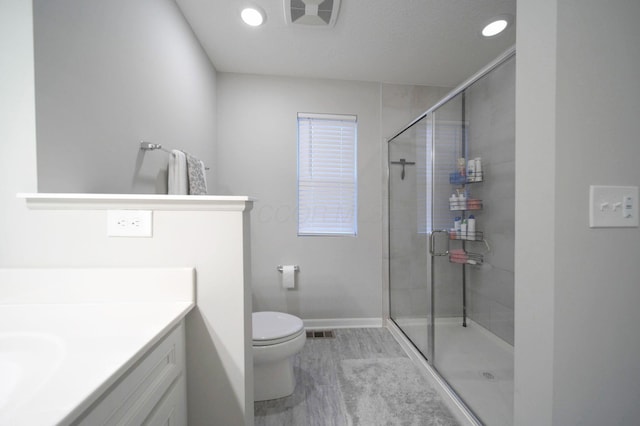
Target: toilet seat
271	328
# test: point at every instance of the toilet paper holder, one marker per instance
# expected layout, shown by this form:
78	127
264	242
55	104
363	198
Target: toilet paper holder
295	268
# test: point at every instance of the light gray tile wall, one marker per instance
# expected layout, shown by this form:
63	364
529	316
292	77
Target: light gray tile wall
401	104
408	246
490	109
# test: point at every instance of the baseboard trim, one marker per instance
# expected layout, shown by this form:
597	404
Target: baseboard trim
457	407
323	323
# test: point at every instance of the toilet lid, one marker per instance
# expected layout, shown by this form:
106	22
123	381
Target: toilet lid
268	326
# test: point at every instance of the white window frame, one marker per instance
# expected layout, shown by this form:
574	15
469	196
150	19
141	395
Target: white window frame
327	174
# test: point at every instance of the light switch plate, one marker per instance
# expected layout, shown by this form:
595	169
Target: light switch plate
613	206
129	223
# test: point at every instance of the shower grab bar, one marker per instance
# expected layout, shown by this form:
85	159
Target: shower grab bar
148	146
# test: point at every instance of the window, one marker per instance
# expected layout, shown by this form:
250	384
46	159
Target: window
327	177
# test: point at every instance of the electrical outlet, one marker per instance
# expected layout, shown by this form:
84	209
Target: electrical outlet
129	223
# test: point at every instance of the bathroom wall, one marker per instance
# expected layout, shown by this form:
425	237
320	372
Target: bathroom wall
108	75
577	292
339	277
490	112
217	386
597	273
577	97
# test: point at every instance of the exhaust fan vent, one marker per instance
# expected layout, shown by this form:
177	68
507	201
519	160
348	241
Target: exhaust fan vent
315	13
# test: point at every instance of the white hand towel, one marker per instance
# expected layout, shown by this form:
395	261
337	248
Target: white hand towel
197	176
178	182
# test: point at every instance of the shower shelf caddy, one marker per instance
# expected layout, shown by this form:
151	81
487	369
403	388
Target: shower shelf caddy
471	236
462	256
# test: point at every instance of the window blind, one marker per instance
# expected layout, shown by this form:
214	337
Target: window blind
327	174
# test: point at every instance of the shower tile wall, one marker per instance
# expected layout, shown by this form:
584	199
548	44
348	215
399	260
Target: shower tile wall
408	245
400	105
446	146
490	109
403	103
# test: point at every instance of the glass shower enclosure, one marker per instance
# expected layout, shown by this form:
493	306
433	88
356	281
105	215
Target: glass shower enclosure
451	238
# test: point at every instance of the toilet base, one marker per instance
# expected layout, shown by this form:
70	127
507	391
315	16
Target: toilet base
273	380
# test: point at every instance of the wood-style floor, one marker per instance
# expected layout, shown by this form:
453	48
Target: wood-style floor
319	399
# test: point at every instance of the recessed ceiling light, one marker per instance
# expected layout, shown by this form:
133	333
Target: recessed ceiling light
252	16
495	27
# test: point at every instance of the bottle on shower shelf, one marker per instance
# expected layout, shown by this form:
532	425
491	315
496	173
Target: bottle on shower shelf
471	228
462	167
462	200
478	169
454	233
471	171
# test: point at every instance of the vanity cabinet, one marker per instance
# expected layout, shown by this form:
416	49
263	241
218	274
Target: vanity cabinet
151	392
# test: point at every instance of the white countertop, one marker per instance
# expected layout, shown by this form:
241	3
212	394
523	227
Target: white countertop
56	359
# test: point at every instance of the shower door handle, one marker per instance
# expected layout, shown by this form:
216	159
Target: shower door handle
432	243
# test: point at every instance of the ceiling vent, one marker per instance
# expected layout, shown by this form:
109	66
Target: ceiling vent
313	13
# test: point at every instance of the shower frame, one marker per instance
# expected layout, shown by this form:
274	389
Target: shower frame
425	359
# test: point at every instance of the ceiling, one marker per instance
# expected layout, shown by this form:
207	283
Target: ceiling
423	42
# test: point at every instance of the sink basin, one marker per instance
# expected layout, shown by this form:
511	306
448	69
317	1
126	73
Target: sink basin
27	362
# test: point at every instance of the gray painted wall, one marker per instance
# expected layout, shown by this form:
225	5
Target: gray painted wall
597	276
577	103
340	277
108	75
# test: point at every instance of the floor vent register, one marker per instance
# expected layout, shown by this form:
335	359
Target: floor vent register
320	334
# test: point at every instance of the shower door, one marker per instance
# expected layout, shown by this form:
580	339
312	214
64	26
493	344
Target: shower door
447	145
452	296
410	297
425	289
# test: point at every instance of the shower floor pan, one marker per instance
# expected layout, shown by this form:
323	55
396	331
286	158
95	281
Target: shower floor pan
477	364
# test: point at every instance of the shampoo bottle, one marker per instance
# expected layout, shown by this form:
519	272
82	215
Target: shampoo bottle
471	228
453	202
478	169
471	171
462	201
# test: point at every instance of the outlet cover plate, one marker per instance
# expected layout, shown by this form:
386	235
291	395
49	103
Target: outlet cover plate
613	206
129	223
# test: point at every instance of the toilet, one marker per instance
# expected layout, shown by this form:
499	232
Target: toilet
276	338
